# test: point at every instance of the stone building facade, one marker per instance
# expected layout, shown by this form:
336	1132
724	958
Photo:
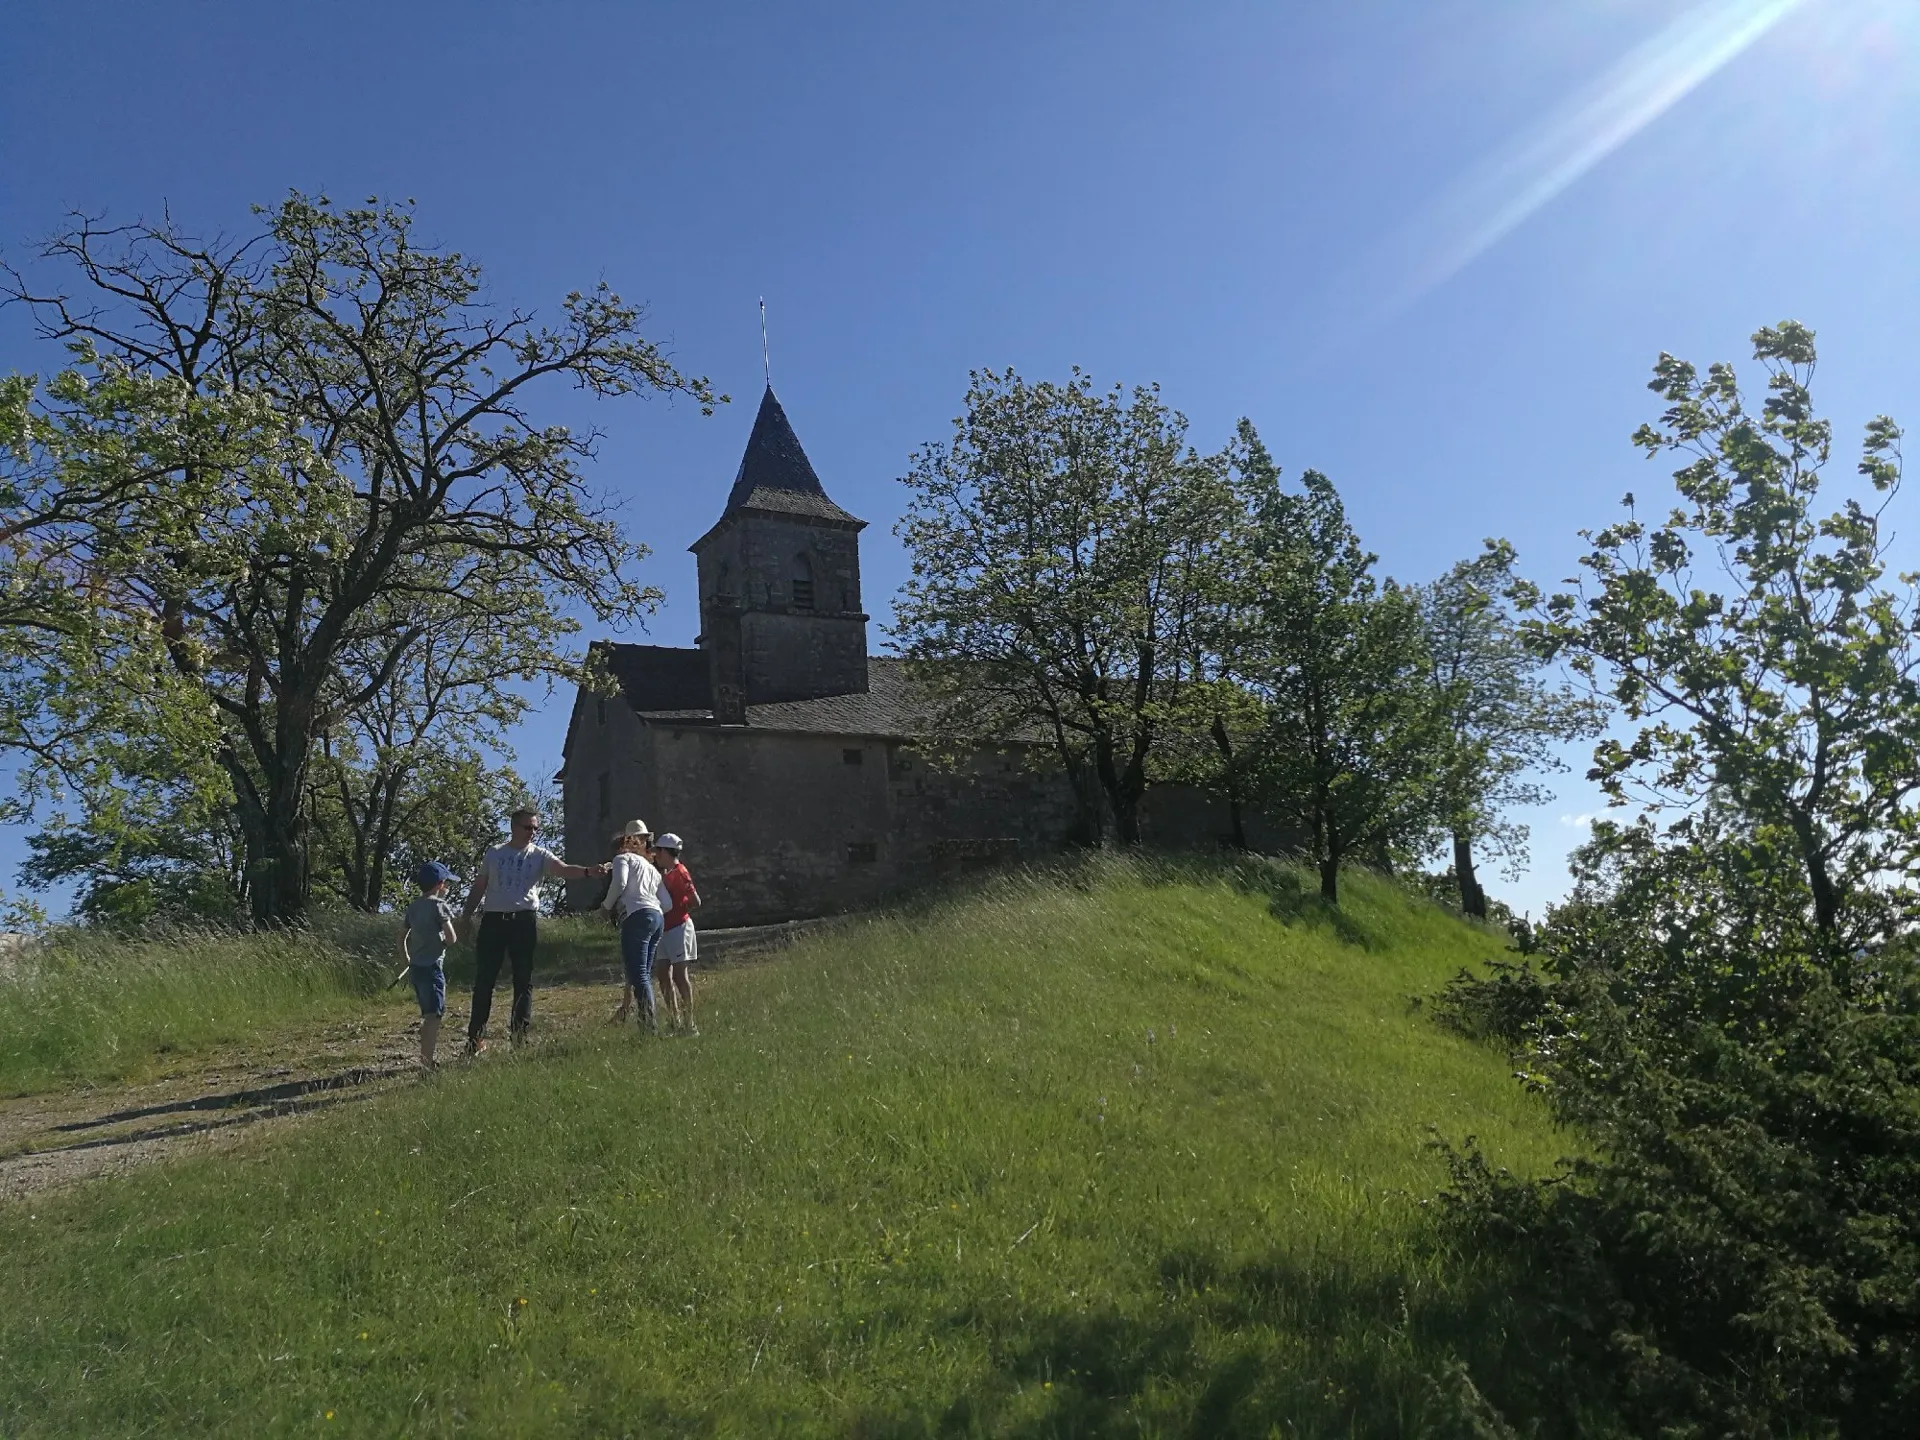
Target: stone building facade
780	749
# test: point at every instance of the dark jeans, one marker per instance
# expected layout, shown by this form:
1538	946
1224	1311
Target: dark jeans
503	934
639	938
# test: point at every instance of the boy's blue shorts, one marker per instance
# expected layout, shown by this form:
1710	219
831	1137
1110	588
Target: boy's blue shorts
429	988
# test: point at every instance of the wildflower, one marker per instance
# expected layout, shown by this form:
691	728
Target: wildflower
521	1301
363	1334
329	1414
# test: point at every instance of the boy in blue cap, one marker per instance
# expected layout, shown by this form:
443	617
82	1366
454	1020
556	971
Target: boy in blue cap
423	945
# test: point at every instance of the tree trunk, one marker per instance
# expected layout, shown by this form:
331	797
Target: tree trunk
1330	880
1224	744
273	818
280	871
1123	796
1473	900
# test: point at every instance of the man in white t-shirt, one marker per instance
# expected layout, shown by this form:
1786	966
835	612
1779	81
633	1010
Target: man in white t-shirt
506	892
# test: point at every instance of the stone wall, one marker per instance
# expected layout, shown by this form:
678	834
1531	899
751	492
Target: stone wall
609	776
784	826
1185	817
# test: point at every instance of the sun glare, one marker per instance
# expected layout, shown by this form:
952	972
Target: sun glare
1499	193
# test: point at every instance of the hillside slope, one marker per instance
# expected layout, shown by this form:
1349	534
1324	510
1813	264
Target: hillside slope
1122	1152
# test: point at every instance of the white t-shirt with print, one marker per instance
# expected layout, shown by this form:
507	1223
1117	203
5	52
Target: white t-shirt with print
514	876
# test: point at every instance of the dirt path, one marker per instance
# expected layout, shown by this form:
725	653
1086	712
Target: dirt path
74	1135
66	1137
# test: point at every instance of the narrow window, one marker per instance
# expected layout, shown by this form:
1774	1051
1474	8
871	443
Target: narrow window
802	583
606	794
853	757
863	852
723	581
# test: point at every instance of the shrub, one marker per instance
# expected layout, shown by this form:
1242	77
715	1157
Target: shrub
1738	1254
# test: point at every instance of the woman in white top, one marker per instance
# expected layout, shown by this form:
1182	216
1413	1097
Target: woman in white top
633	897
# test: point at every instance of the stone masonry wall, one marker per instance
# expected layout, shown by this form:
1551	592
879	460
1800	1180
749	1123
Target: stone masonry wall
605	739
782	826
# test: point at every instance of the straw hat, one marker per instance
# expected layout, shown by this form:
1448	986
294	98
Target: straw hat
637	829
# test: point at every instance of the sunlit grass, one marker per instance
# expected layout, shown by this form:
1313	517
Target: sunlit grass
92	1006
1120	1152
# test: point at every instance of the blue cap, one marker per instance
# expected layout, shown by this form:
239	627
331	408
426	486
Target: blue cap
429	873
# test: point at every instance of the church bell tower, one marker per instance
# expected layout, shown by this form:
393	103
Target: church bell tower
780	611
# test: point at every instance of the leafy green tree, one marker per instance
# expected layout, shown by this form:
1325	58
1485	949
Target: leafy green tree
1067	547
1767	658
1353	740
405	777
1503	717
166	853
402	457
1728	1008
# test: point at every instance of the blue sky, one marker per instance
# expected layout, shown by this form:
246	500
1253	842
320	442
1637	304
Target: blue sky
1431	247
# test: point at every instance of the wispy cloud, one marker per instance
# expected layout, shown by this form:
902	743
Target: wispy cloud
1516	180
1582	821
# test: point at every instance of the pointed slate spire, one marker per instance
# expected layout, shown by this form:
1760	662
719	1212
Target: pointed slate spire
775	473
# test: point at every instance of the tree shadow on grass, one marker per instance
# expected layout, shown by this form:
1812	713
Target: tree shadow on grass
1293	901
1268	1348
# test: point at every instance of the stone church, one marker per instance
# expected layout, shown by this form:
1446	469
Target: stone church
779	748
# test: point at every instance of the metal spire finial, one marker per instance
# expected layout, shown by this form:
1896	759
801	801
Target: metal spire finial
766	358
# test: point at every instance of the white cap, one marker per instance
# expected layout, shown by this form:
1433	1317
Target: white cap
668	841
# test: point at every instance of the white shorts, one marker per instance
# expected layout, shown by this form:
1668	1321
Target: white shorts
679	946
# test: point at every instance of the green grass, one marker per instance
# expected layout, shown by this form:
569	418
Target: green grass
93	1007
1113	1153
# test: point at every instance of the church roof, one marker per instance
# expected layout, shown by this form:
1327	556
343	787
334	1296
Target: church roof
775	473
661	677
665	685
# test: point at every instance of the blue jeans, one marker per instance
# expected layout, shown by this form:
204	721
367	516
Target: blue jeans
639	938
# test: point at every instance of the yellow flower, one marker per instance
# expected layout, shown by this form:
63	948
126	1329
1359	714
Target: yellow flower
363	1334
521	1301
329	1414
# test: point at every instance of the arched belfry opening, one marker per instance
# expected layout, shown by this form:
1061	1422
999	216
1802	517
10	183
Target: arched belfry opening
802	582
780	615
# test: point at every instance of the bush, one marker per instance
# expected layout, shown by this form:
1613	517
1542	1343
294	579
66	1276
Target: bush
1739	1252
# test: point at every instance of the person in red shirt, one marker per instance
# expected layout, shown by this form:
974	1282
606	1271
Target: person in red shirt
678	948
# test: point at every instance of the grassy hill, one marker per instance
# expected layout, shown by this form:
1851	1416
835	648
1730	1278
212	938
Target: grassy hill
1131	1151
